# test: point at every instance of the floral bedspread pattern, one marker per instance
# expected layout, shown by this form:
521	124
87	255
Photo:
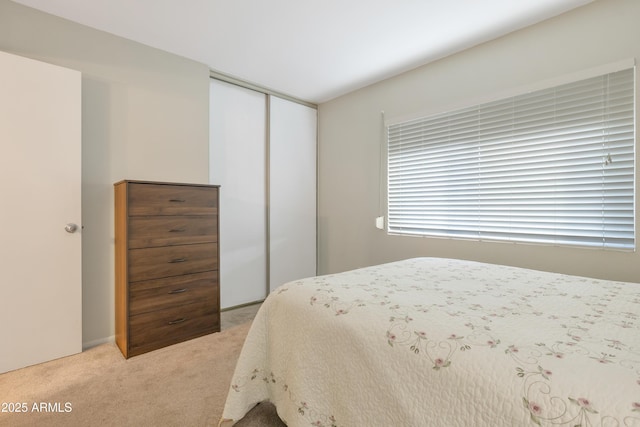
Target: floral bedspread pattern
433	342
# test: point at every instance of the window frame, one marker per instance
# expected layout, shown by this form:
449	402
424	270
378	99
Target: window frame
555	83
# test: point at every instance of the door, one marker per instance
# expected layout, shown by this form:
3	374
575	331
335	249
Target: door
238	163
292	191
40	261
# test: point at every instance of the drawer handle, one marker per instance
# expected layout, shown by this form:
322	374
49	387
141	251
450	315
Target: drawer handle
180	320
178	291
177	200
177	230
177	260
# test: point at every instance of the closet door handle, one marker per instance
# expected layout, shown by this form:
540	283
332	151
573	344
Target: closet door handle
177	200
180	320
178	291
177	230
177	260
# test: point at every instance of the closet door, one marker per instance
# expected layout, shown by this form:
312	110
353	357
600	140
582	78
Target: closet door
238	163
292	191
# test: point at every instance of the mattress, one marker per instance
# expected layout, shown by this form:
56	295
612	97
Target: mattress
444	342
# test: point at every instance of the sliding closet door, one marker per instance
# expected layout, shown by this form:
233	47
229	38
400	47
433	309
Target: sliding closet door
292	191
237	163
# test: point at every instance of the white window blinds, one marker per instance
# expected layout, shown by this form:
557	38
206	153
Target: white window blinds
552	166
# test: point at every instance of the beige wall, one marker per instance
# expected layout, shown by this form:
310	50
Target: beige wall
350	132
144	116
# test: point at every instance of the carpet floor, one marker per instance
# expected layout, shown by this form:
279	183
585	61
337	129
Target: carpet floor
182	385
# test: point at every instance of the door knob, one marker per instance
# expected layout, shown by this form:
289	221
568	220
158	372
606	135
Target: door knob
71	228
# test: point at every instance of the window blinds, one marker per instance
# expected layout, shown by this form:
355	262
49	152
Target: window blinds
551	166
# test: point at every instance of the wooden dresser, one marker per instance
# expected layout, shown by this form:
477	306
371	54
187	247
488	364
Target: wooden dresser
166	258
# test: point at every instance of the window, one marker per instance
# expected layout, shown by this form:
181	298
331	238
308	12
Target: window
553	166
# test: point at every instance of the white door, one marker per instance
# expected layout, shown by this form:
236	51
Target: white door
292	191
40	262
238	163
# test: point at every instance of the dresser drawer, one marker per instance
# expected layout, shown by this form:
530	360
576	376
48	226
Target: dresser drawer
165	327
164	199
150	231
159	294
155	263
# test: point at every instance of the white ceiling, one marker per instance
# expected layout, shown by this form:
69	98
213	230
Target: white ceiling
313	50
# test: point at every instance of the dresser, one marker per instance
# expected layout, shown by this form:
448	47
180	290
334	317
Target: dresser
166	260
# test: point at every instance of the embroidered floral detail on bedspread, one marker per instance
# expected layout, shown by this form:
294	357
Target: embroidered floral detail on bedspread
479	319
280	387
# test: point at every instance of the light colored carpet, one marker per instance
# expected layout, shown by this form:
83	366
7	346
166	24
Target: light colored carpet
182	385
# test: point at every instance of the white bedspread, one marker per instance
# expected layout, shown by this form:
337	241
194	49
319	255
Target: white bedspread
440	342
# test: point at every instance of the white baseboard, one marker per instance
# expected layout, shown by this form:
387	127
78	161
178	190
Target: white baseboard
95	343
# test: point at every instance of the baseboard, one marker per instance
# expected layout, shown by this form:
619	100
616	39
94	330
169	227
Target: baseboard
95	343
242	305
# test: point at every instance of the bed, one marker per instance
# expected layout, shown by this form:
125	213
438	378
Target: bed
444	342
